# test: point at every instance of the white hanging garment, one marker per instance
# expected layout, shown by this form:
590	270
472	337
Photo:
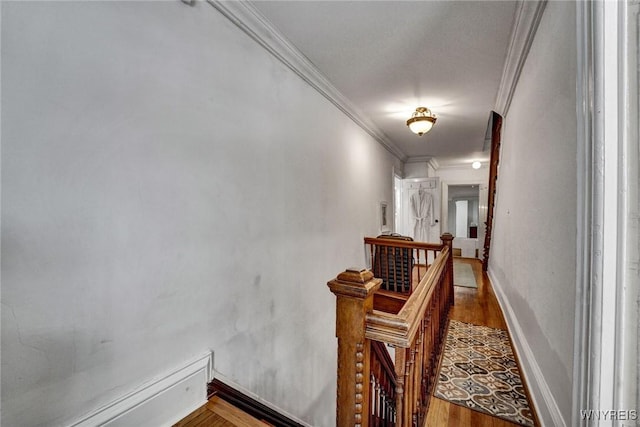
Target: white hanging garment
422	210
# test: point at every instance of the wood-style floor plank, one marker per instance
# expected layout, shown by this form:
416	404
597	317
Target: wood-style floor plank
480	307
219	413
205	418
233	414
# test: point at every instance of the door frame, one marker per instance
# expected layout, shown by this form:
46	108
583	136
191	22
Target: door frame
606	315
482	202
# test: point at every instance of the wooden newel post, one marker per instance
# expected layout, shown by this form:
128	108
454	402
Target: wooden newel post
447	239
354	291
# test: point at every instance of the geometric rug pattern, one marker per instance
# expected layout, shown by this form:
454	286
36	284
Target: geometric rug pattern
479	371
463	275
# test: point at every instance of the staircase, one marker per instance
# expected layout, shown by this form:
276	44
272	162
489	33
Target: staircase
219	413
372	390
229	407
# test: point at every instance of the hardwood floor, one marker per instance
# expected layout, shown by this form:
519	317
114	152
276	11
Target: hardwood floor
480	307
218	413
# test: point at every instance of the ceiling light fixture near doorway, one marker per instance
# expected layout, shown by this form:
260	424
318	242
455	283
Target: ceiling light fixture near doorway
476	165
421	121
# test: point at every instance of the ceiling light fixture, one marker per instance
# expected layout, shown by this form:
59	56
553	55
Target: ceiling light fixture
476	165
421	121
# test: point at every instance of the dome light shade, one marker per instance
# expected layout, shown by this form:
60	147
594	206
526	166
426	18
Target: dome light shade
476	165
421	121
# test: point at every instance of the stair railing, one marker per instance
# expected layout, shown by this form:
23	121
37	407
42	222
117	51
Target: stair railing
415	331
401	264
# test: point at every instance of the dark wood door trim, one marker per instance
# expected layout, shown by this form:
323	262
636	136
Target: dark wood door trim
496	131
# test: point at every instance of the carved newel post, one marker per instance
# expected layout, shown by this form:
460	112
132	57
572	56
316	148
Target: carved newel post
354	291
447	240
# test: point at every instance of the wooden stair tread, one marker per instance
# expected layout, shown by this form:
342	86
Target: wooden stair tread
233	414
219	413
193	418
203	417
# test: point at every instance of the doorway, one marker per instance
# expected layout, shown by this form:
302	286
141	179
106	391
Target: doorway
464	210
464	216
397	203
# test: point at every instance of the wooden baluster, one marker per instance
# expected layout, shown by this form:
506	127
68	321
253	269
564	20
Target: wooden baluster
437	311
447	240
409	399
412	390
381	403
371	255
428	357
378	259
412	382
444	296
403	266
388	406
416	265
416	377
419	366
375	410
354	291
387	266
400	387
434	318
420	264
394	266
422	361
385	409
388	402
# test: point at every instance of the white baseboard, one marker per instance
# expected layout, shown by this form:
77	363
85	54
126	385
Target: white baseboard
162	402
546	406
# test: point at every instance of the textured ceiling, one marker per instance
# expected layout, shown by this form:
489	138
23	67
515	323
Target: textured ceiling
389	57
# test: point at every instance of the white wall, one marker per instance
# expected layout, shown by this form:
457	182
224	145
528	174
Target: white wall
533	251
419	169
463	175
462	218
416	170
169	187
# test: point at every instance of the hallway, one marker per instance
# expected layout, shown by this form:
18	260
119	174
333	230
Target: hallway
480	307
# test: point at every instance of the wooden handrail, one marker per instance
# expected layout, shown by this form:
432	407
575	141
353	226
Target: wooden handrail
403	244
400	329
416	330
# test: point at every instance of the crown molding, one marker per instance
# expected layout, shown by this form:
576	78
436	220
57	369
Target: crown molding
465	165
247	18
528	16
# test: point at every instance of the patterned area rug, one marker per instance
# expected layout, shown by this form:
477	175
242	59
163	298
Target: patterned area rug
479	371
